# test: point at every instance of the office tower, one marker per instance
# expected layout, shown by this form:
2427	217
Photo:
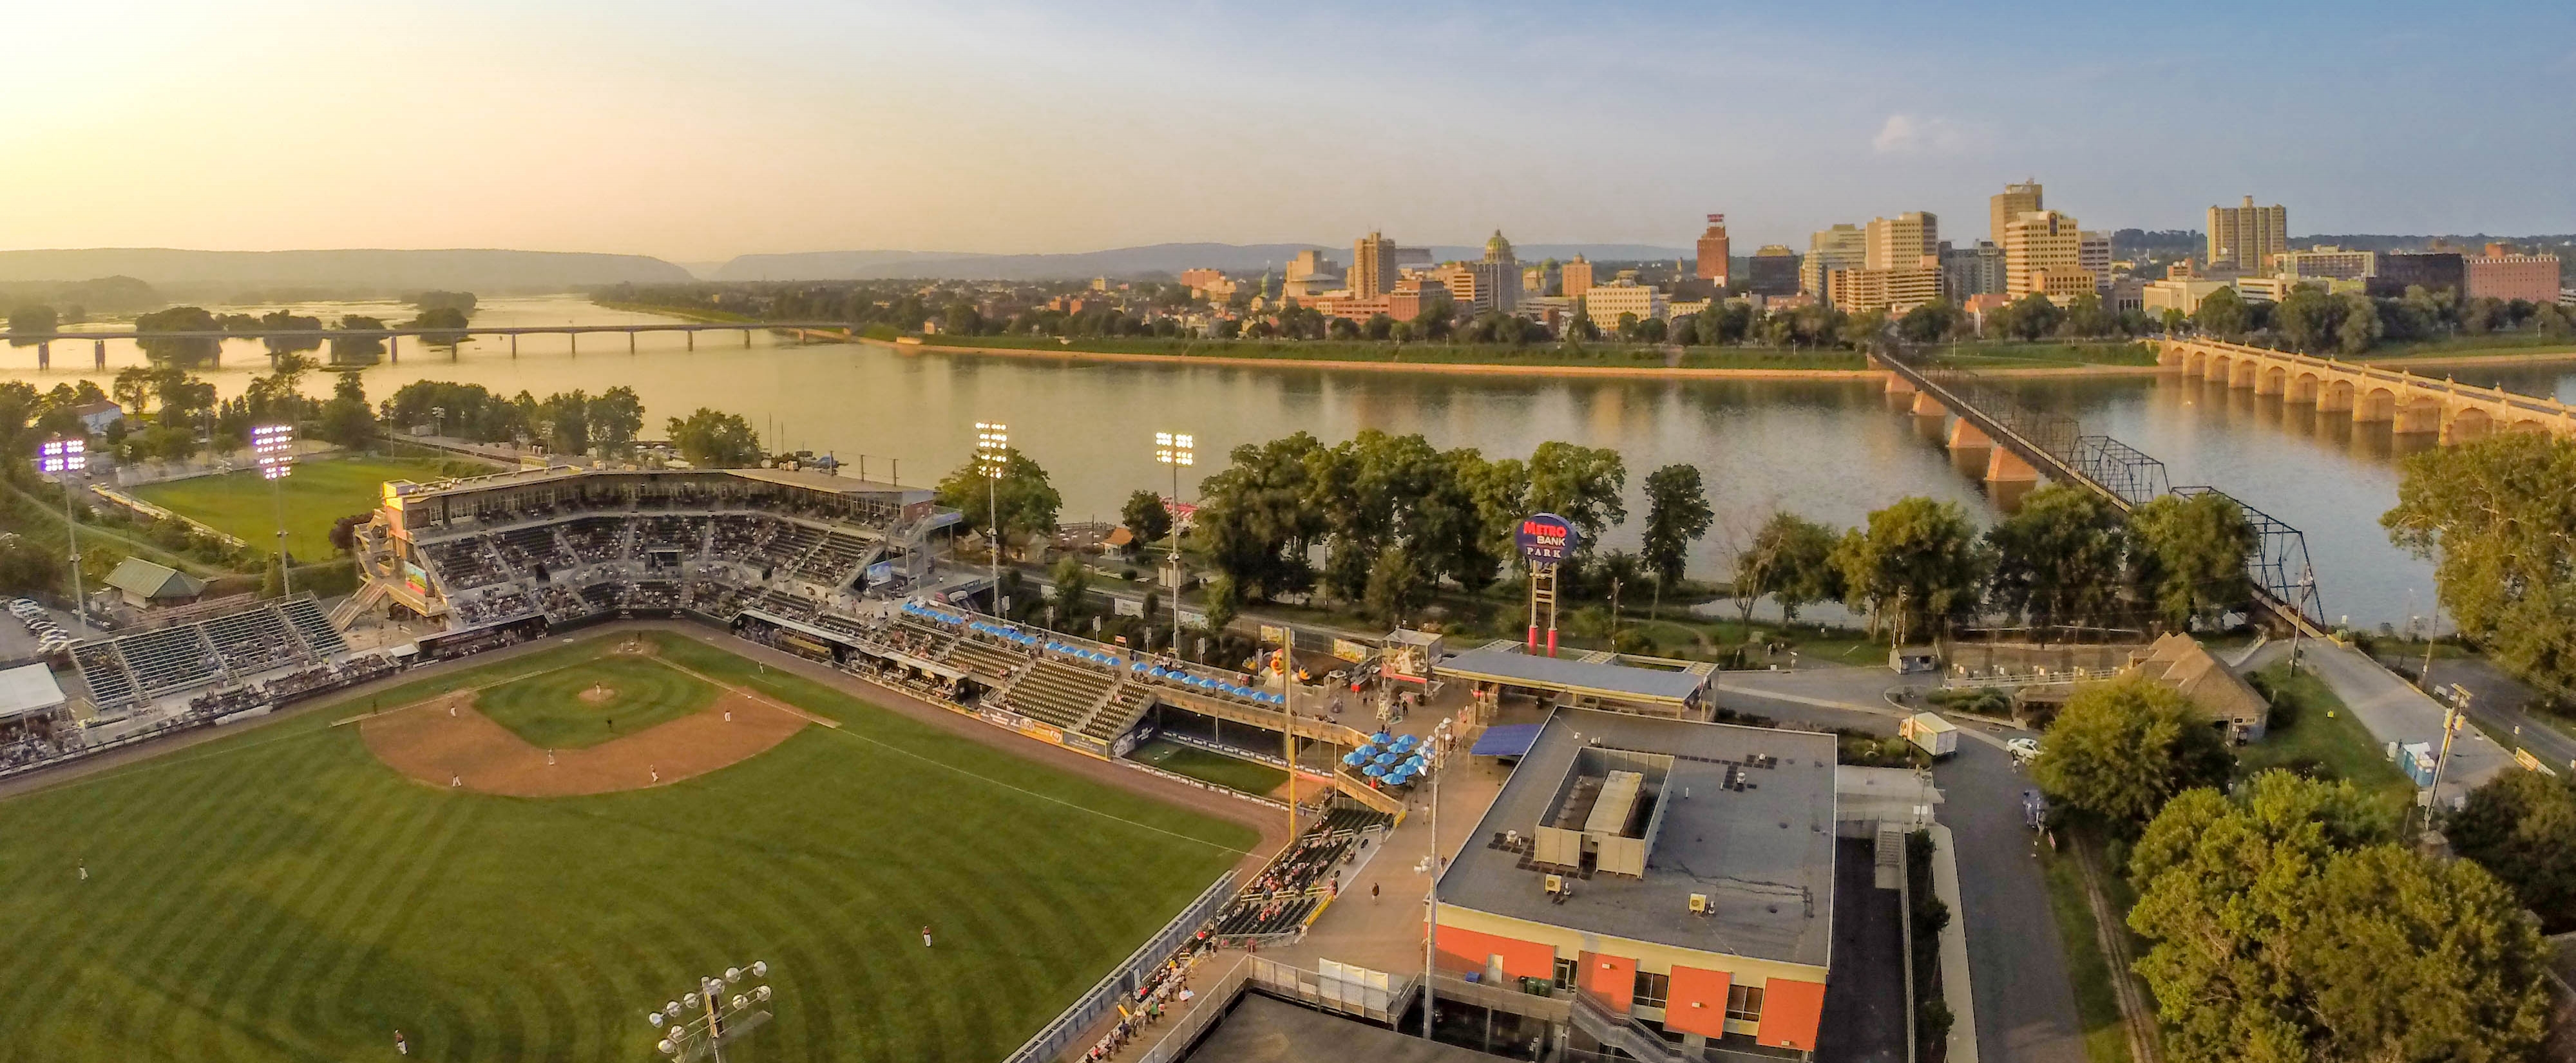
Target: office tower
1773	270
2043	254
1372	266
1902	241
1498	277
1967	271
2015	201
2248	236
1577	277
1840	247
1713	251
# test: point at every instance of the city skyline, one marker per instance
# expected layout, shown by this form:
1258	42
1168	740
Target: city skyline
1008	129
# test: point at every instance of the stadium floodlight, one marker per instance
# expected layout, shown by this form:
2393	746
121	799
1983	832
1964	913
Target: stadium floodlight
992	458
274	446
62	458
717	1018
1178	450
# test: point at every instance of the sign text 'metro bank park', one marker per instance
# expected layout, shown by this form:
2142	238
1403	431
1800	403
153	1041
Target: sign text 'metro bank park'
1545	539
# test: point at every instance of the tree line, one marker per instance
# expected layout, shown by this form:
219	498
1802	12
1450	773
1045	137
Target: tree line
2311	320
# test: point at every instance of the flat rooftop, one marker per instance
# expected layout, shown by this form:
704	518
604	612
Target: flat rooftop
1263	1030
1762	853
1618	682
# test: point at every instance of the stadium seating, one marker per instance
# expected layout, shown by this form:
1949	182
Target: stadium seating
1124	709
320	638
170	658
1058	692
254	640
104	670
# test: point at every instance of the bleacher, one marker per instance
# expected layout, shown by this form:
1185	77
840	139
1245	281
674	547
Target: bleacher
462	565
787	547
1247	919
836	561
253	640
738	537
985	659
685	534
1124	709
169	659
527	548
104	670
592	539
320	638
1059	693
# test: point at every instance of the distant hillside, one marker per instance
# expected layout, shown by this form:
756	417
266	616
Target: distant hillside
1150	260
197	274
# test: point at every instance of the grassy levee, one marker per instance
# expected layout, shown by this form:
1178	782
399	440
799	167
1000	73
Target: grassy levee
279	895
316	494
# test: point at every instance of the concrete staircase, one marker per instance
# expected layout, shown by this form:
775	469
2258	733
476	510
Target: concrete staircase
1621	1032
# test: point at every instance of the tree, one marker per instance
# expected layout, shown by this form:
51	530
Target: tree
2284	925
710	439
1023	499
1790	559
2221	314
2059	558
2120	749
347	419
275	321
1147	520
1677	514
1072	581
614	417
2191	553
1930	322
446	325
1396	586
1581	484
2307	317
347	350
2361	326
1255	520
30	321
178	351
1222	601
2499	523
2027	318
566	417
1916	562
2521	826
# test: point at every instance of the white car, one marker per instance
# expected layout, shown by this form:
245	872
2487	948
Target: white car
2023	750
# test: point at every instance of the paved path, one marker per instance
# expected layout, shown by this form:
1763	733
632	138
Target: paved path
2397	712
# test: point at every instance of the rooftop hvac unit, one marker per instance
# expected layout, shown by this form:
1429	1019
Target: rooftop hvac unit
1556	883
1699	904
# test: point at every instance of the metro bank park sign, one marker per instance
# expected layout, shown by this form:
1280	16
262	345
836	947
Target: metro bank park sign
1545	539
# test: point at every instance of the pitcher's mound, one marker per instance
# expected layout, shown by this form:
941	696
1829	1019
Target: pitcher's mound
595	695
469	751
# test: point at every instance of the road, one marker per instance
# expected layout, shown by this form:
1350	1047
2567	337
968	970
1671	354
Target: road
2025	1006
2395	711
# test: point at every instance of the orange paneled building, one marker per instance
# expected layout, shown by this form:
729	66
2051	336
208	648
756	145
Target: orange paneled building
1722	938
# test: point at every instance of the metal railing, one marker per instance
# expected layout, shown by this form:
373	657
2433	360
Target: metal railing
1619	1030
1051	1041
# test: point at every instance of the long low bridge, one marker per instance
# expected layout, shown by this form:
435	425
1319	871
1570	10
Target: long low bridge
392	337
2021	444
2459	413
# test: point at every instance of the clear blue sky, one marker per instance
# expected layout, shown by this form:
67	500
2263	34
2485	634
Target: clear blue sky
702	130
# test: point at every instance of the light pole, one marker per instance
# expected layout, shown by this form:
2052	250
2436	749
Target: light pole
717	1015
62	457
1178	450
992	456
1431	901
274	445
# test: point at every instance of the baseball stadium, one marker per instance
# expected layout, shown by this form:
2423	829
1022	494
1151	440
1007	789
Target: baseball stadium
588	738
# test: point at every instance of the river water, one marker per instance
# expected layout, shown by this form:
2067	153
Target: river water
1830	450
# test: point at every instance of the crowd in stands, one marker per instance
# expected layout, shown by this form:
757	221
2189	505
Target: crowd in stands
1302	877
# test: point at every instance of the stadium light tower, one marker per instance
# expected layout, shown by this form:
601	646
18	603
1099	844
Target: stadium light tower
1178	450
992	458
717	1015
274	445
62	458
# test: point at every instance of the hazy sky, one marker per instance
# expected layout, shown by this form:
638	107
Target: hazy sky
702	130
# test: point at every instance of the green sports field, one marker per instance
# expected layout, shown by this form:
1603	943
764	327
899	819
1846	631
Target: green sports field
279	895
1234	773
316	494
549	710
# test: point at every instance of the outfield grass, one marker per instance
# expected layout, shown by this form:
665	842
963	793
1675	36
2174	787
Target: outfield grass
1233	773
551	711
316	494
2305	738
279	895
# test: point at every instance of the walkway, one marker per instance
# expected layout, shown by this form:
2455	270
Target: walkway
2397	712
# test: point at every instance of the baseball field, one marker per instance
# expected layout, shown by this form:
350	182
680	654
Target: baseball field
407	862
318	492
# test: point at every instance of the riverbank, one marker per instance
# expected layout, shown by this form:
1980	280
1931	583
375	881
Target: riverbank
1858	370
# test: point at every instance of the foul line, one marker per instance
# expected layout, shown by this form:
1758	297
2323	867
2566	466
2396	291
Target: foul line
748	693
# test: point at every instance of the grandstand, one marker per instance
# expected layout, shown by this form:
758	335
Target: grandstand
257	639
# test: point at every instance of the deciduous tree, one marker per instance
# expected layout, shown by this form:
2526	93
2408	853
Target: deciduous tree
2499	521
1916	563
711	439
2191	555
2059	558
1677	514
2521	826
1148	521
2120	749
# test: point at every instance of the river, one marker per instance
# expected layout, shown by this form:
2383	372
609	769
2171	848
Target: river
1830	450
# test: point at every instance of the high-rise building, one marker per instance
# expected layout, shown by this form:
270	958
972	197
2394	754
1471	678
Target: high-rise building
1577	277
2329	262
2043	254
1498	277
1902	241
1896	291
1372	266
1713	251
2429	270
2015	201
1603	303
2093	254
1773	270
2248	236
1967	271
1840	247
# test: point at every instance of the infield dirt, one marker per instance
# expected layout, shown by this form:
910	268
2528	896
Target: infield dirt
467	750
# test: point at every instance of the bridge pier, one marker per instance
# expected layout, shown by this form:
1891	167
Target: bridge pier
746	339
2008	478
1927	406
44	355
393	349
573	338
514	345
692	334
2270	381
630	343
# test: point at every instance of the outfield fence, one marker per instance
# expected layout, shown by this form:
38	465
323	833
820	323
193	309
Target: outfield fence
1122	982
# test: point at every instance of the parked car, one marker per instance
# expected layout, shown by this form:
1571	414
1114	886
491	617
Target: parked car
2023	750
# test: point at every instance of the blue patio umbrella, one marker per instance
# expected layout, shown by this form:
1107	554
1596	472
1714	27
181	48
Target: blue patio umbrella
1384	760
1373	771
1381	738
1356	759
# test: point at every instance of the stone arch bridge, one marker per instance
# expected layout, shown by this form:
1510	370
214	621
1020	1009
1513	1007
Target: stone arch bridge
2459	413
